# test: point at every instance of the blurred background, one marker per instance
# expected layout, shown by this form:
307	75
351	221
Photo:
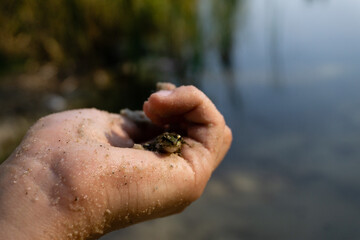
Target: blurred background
284	73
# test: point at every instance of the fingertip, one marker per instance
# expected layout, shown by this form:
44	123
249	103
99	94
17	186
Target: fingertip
145	106
158	104
163	93
149	111
165	86
158	97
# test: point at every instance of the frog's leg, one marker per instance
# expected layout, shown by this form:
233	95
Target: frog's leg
138	146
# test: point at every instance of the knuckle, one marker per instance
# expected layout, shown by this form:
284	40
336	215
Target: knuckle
228	134
190	89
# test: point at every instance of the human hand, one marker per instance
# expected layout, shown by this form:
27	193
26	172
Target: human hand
75	175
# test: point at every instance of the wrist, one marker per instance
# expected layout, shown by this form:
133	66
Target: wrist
25	210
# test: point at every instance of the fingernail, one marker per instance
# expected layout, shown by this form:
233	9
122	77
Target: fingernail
163	93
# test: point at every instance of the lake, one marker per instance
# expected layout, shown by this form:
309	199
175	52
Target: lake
287	82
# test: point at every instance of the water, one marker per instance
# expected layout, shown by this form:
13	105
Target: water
287	83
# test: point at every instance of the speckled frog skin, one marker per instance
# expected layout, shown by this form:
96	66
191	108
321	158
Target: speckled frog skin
165	143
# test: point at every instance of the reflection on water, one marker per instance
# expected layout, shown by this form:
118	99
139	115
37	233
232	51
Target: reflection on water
285	74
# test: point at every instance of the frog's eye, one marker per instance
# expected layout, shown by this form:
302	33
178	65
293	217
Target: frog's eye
173	138
167	138
178	139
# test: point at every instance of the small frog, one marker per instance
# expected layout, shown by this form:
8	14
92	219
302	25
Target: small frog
164	143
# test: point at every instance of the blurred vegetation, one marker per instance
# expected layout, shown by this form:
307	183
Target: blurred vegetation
226	14
82	34
64	54
112	44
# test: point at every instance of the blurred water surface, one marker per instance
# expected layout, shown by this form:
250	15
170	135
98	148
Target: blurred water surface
288	88
286	76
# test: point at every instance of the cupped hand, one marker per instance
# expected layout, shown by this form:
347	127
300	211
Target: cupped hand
76	175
